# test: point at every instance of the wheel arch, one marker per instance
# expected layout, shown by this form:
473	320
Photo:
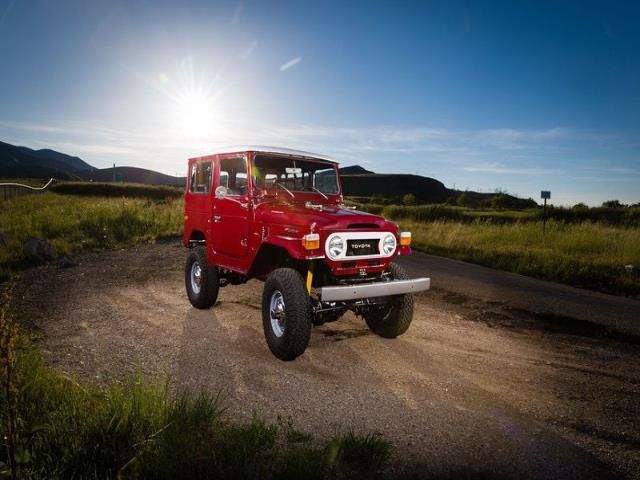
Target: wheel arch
271	256
195	237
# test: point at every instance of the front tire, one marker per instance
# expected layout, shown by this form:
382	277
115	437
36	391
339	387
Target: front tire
286	314
201	279
395	317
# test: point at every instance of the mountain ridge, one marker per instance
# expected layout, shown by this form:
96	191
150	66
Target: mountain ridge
24	162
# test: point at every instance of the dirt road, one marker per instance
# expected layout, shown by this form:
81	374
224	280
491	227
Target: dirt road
474	386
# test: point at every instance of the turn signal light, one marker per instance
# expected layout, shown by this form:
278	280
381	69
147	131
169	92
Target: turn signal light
311	241
405	239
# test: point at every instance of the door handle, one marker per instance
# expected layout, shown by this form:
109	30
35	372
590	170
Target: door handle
217	218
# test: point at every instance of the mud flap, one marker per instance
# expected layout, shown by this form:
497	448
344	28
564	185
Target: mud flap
309	278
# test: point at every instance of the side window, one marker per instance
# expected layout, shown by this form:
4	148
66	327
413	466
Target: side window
200	177
233	175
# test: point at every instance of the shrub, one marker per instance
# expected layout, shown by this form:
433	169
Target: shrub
409	199
465	200
504	201
613	204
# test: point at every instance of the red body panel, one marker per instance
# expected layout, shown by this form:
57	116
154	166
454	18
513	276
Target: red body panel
235	228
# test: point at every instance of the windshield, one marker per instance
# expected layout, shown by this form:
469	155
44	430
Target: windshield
296	175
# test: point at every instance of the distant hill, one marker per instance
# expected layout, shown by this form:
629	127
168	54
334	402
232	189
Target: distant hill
353	170
358	182
23	162
134	175
394	185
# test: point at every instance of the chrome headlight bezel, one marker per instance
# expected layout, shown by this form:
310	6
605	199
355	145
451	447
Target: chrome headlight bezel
336	247
388	244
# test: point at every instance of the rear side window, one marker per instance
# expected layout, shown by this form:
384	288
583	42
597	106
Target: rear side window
200	177
233	175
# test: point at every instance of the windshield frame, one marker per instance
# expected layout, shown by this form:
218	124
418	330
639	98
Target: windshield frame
315	191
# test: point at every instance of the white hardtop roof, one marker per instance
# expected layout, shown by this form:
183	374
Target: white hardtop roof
276	150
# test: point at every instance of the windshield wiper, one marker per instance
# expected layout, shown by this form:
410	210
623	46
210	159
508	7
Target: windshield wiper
315	189
285	189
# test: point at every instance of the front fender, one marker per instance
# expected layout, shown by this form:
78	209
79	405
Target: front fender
293	246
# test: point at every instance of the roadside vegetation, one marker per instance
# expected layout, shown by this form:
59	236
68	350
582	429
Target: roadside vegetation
590	255
78	223
596	248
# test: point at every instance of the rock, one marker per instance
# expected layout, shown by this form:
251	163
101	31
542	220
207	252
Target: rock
39	251
66	262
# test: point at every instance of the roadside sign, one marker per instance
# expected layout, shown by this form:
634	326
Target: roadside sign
545	195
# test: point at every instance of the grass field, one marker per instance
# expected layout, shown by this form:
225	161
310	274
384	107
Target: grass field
591	255
586	253
75	223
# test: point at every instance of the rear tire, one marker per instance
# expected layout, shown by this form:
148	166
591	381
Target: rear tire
394	318
286	313
201	279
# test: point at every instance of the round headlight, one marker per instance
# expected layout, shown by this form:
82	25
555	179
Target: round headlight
336	247
389	244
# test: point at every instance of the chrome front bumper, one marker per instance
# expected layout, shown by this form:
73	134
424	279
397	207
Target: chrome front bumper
377	289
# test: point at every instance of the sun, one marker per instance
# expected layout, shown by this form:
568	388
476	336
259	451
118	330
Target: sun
194	113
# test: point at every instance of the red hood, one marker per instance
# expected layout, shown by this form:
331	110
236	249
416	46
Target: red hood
331	217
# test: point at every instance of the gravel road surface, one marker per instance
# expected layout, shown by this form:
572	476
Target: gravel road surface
481	383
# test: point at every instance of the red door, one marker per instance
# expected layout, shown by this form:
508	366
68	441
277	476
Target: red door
198	197
231	214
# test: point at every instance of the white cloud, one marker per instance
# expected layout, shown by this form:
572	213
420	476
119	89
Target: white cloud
290	63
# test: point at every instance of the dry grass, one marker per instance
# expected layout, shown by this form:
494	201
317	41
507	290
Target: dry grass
73	223
587	254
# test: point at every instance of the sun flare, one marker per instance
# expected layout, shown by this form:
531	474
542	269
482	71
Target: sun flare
195	113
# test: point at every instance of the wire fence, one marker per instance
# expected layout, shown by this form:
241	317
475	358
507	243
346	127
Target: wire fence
10	190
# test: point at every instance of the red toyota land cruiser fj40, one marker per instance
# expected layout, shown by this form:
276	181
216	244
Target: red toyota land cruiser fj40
277	215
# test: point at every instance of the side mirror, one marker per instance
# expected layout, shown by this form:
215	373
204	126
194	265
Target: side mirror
221	192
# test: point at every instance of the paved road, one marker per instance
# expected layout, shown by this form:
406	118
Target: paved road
475	386
536	296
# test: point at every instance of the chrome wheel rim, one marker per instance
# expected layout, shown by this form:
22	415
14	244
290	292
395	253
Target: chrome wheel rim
277	313
196	277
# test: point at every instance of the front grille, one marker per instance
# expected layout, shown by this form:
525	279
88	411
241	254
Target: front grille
362	247
362	225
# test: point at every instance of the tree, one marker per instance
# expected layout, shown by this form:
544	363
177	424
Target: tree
377	198
409	199
580	206
465	200
613	204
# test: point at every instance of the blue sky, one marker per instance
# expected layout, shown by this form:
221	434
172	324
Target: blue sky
521	96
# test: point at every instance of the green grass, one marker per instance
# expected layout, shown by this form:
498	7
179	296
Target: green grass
73	224
591	255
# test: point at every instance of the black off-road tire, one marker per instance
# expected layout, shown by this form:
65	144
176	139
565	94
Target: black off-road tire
393	319
297	322
209	283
